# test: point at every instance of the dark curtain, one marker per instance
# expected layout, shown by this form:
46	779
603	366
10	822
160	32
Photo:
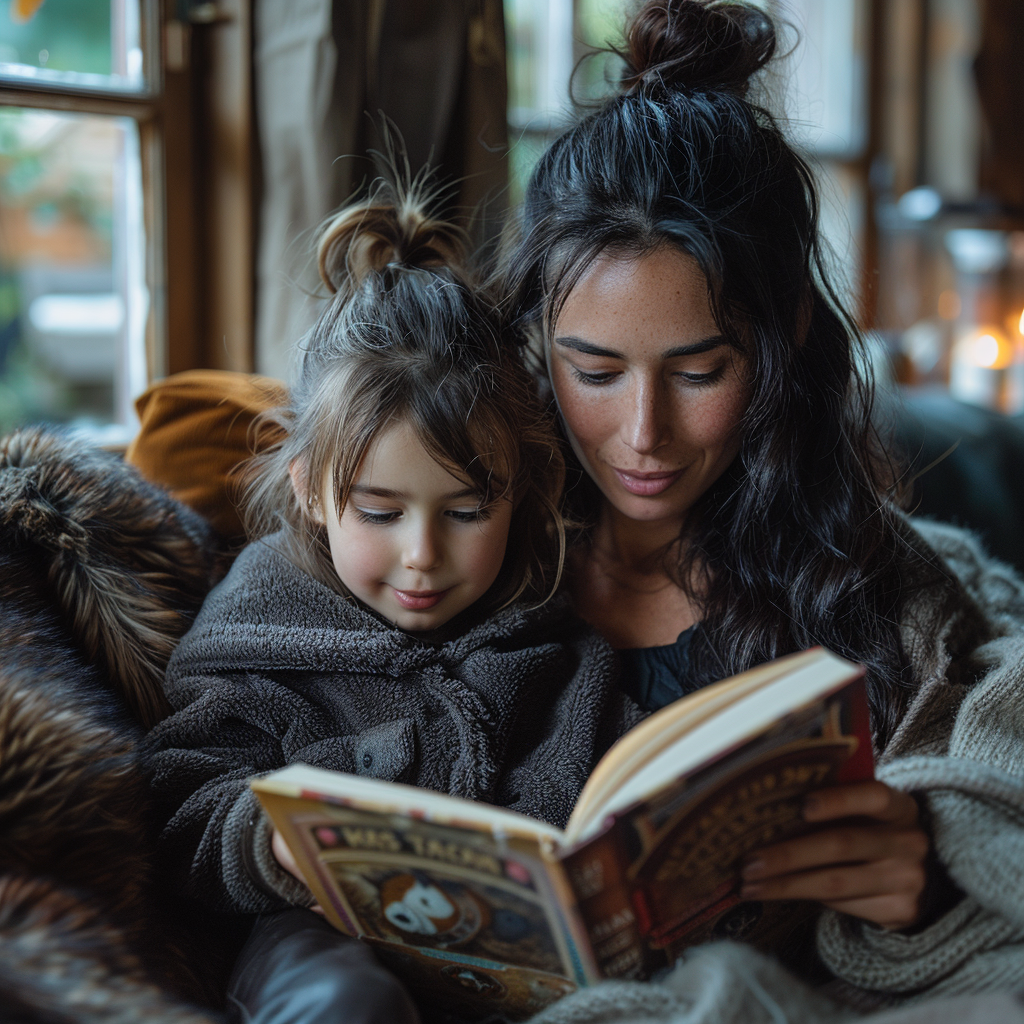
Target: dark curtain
326	73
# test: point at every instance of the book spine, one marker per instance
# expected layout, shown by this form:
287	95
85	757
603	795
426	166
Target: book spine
595	872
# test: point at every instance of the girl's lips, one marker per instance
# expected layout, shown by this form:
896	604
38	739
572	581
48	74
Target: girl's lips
419	600
647	484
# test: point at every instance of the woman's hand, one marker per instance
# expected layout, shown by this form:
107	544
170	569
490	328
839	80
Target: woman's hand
871	864
284	857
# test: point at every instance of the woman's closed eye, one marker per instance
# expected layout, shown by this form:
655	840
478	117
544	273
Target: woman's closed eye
701	379
593	377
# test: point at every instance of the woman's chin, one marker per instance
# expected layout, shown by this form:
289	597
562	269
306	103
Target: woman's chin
662	509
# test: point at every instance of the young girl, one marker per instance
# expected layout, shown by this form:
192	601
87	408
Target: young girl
394	616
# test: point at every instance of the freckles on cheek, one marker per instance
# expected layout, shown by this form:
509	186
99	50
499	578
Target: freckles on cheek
717	421
588	421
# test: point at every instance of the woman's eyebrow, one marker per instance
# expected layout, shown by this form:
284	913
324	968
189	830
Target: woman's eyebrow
589	349
696	348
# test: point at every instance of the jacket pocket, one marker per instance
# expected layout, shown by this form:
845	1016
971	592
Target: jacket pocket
386	751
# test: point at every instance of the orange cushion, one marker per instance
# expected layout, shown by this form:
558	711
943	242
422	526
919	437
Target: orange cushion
195	434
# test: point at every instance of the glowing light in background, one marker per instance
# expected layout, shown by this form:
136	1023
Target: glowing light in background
23	10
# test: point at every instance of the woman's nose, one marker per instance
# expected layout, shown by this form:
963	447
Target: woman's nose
646	426
423	549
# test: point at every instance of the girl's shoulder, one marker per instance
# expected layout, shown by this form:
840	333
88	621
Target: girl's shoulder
528	624
265	612
264	585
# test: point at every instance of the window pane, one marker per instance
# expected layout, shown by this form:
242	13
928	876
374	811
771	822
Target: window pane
86	43
600	24
544	38
72	291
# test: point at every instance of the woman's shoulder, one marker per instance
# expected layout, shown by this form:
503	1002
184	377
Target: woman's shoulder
995	588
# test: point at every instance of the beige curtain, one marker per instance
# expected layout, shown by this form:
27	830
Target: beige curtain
325	72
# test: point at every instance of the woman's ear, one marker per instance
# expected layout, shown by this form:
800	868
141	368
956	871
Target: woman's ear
298	473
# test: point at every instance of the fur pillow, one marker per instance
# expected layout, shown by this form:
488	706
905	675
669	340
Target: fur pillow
115	564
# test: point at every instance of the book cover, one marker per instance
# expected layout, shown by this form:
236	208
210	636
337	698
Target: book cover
473	920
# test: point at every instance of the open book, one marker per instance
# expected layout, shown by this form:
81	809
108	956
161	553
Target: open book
490	913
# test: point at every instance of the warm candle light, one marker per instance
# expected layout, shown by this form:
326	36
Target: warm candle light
986	347
985	351
1020	323
23	10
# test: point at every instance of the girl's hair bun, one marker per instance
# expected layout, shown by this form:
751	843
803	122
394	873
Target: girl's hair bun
702	45
386	230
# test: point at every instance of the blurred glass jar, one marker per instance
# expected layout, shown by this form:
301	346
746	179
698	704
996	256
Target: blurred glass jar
986	365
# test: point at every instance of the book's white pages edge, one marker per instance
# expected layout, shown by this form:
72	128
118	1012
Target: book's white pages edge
743	720
303	780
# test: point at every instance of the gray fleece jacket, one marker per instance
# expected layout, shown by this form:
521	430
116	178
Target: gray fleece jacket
278	668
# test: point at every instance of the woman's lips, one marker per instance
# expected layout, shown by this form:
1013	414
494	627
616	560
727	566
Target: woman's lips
419	600
647	484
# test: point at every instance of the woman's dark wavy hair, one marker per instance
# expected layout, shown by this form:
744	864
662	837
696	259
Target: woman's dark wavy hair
799	542
410	335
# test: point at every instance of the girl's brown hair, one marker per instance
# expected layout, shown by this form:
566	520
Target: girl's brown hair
410	335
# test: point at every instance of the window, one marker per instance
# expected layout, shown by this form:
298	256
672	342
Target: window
546	39
80	212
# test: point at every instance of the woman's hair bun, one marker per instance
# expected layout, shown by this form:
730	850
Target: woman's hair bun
702	45
388	229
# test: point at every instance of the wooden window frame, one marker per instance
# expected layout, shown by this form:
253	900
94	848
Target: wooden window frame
195	127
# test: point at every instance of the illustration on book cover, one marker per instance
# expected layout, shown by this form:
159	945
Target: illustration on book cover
450	913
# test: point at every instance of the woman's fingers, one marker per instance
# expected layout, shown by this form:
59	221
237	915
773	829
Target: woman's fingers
893	877
847	844
871	864
892	911
861	800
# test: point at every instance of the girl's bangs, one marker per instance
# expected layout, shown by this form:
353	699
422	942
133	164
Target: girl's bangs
481	448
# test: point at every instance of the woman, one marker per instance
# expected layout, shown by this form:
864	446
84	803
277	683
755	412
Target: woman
737	505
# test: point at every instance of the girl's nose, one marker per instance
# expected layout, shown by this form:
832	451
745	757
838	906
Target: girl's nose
646	423
423	550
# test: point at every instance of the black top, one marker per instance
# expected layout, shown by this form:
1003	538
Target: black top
656	676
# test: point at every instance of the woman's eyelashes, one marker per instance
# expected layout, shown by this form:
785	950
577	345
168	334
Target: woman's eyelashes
701	379
592	378
471	515
596	378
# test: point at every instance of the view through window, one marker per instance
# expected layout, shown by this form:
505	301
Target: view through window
73	280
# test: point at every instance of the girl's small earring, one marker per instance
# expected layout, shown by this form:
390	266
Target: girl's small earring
313	508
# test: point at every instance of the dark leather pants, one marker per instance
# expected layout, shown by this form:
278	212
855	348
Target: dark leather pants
296	969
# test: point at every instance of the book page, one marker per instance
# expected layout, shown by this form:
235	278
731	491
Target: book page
471	919
716	735
644	742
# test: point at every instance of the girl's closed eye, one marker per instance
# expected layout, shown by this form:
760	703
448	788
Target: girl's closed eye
477	514
378	517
